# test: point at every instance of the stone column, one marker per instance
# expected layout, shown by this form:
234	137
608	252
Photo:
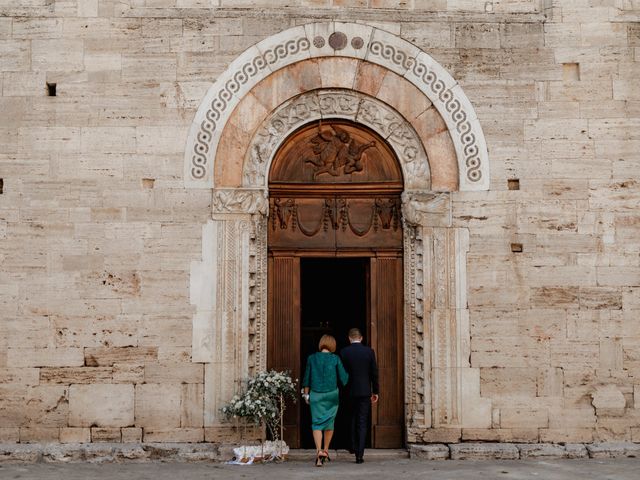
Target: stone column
223	289
446	390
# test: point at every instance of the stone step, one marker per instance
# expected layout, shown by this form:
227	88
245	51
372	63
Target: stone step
307	455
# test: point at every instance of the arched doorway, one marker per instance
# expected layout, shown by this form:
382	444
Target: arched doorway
335	243
274	88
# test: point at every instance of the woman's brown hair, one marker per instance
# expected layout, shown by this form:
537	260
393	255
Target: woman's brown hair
328	342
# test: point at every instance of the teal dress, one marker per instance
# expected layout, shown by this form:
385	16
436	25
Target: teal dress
322	374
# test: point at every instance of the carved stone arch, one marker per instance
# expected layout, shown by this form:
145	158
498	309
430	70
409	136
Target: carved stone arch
336	103
336	39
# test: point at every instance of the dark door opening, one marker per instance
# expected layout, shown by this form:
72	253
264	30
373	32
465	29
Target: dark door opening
334	298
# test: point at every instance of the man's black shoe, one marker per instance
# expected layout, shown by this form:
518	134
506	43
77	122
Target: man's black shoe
360	460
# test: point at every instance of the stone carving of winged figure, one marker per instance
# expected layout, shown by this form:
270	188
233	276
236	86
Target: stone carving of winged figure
335	152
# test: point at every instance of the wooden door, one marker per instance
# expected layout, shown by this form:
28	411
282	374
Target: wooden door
385	298
388	342
334	190
283	331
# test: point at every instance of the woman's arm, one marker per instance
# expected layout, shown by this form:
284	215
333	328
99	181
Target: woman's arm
306	380
342	373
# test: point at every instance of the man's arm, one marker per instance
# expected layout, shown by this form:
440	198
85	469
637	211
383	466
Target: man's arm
373	368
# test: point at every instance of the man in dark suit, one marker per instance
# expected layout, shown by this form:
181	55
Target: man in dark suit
360	362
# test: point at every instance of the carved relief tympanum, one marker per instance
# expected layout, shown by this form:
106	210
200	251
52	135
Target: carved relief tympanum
335	185
335	152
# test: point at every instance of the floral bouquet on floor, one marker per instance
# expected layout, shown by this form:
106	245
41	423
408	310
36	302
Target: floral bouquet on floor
262	402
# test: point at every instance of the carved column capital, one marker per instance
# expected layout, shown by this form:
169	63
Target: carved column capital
426	209
239	201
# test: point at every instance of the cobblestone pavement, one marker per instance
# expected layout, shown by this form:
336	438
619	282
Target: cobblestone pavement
613	469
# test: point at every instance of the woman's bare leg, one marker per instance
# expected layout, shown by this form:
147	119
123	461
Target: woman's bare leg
328	435
317	438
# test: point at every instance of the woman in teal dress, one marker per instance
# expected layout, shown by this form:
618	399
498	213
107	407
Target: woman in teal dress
320	382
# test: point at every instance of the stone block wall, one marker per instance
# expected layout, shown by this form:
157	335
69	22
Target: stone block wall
97	232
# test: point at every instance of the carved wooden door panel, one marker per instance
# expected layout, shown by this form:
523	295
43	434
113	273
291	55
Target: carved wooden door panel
387	341
283	331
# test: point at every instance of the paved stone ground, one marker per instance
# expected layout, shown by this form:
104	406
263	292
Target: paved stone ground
614	469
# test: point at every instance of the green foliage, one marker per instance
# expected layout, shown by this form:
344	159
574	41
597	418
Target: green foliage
262	400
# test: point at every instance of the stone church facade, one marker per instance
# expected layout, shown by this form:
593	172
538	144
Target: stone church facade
151	251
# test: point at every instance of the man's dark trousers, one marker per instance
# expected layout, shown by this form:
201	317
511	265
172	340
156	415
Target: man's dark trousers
360	362
360	409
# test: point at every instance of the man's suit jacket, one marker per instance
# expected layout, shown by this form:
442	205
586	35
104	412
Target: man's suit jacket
360	362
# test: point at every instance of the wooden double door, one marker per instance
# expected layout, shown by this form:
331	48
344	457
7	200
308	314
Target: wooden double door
335	262
313	293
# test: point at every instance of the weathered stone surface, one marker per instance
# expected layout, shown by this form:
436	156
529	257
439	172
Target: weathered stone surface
108	405
174	373
158	406
129	453
75	435
192	405
508	382
182	452
429	452
99	453
67	376
131	435
128	373
483	451
187	435
608	400
507	435
47	406
561	435
541	450
613	450
105	435
62	453
200	453
44	357
39	434
9	435
105	356
20	453
207	452
576	450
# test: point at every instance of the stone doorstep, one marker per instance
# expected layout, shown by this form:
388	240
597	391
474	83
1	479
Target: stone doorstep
523	451
214	453
372	454
110	452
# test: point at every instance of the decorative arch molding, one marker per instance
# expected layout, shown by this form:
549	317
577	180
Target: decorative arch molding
228	284
336	103
342	40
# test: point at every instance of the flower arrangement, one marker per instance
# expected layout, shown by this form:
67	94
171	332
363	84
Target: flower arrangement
262	401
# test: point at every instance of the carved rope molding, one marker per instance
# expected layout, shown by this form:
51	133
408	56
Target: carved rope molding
336	103
354	40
